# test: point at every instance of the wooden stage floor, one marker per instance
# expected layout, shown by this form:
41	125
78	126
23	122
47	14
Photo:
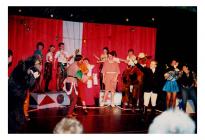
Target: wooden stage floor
98	120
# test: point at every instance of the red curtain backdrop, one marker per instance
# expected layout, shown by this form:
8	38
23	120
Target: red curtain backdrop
119	38
25	32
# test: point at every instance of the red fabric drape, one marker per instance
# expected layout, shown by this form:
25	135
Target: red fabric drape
119	38
25	32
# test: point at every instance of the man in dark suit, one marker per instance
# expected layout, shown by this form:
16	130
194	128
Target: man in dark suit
151	85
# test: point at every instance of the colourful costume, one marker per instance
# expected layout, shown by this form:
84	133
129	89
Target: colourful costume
110	70
171	83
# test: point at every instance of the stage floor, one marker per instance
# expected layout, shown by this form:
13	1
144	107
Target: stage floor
98	120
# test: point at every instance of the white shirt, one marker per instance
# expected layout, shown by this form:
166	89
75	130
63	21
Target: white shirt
131	60
117	60
61	56
49	57
90	67
153	70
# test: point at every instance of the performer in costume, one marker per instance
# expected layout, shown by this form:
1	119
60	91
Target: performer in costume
70	83
131	58
38	53
110	73
126	86
171	85
102	59
48	66
62	57
188	84
82	85
151	85
22	78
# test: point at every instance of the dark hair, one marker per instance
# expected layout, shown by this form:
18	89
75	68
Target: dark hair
51	46
106	48
130	50
61	43
78	57
113	53
10	53
30	61
86	59
39	44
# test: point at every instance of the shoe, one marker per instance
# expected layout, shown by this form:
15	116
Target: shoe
85	111
112	105
27	118
124	107
102	104
145	110
133	110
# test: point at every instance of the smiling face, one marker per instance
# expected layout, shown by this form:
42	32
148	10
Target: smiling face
85	61
130	53
110	57
153	64
52	49
105	51
40	47
61	47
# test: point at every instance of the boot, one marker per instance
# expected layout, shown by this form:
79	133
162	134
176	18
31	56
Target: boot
145	110
153	110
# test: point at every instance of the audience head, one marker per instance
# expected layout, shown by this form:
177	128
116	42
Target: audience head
68	126
172	122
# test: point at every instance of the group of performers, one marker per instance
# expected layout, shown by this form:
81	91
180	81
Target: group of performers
141	82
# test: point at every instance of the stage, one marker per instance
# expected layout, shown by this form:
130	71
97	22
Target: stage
98	120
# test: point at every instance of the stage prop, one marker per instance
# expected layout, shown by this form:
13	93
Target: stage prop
49	100
117	98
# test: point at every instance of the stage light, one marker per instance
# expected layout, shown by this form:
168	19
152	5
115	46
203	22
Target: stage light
51	15
71	15
19	10
153	19
127	19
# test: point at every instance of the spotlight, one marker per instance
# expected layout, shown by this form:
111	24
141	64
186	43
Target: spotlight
51	15
71	15
153	19
127	19
19	10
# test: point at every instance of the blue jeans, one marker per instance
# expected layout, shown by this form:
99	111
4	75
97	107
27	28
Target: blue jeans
189	93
